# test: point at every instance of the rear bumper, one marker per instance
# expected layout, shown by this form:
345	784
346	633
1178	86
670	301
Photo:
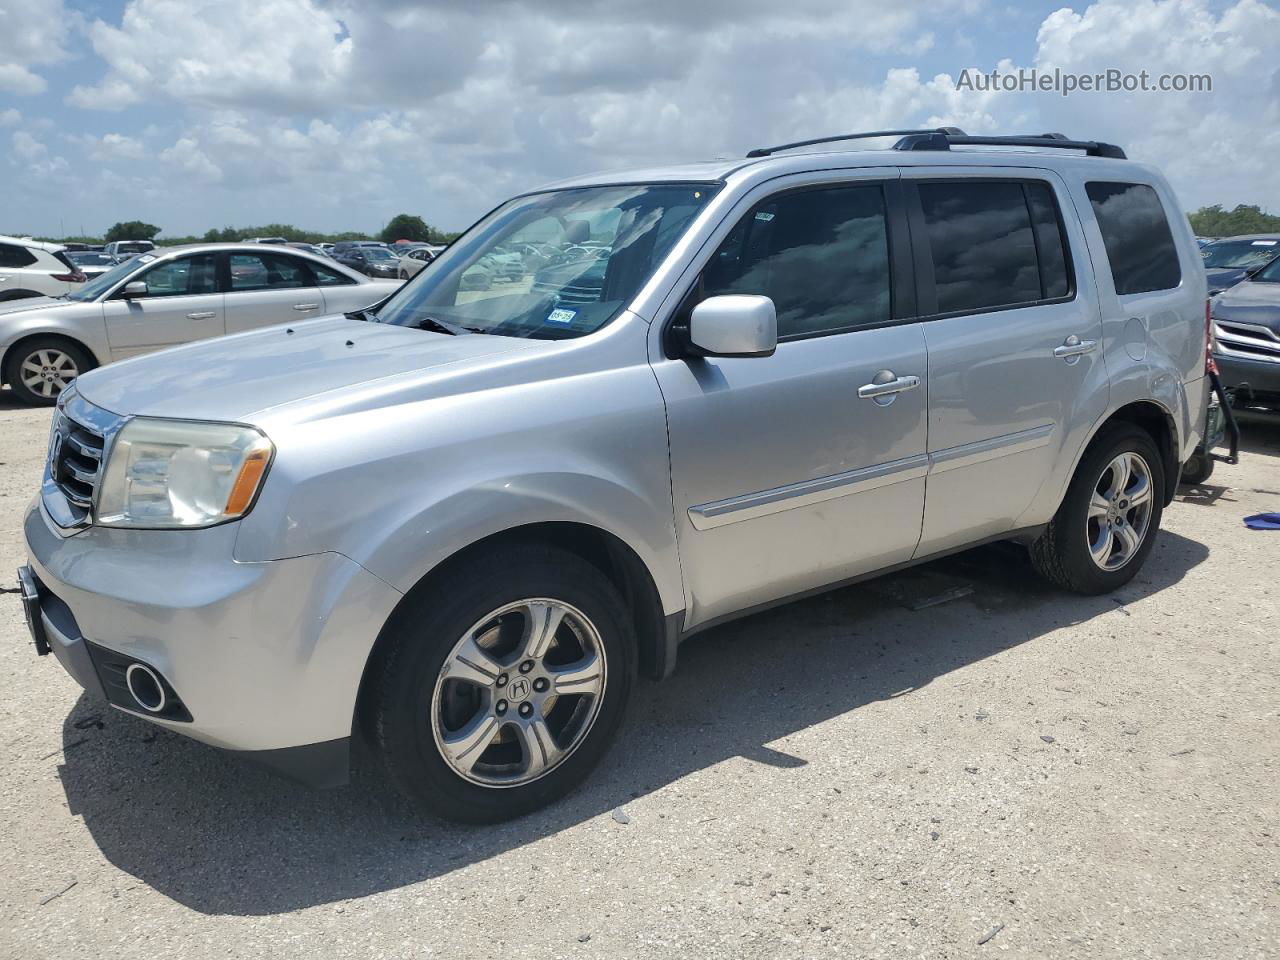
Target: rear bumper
263	659
1249	376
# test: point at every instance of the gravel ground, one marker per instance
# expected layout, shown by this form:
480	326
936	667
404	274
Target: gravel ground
1012	773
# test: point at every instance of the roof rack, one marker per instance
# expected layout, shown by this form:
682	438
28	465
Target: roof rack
944	138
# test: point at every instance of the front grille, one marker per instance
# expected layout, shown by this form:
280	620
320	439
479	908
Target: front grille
1248	340
77	441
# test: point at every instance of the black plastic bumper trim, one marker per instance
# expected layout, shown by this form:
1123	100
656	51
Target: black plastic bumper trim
321	765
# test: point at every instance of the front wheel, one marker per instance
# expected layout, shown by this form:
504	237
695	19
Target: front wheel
503	684
42	367
1106	526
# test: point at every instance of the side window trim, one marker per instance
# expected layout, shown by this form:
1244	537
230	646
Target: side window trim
903	296
922	255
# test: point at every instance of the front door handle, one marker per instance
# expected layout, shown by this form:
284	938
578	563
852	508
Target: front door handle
306	306
207	315
1073	348
885	385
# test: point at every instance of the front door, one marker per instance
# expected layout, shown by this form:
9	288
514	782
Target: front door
1014	338
794	471
268	287
181	304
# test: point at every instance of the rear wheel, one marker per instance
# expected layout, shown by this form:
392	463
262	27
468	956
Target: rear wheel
1106	526
503	685
1197	470
42	367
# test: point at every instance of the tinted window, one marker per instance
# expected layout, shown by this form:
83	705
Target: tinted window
176	278
15	256
979	234
1055	280
822	256
1137	236
328	277
267	271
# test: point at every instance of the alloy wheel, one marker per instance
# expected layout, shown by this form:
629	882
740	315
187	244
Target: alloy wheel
48	371
1119	511
519	692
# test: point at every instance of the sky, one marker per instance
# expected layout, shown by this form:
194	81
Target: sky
337	114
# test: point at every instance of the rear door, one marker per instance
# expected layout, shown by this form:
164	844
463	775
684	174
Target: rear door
182	303
1013	333
21	269
788	474
269	287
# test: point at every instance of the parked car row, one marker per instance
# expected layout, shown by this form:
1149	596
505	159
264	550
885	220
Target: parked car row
161	299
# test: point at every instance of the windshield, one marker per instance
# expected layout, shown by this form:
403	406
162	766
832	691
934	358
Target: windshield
104	282
551	265
1240	253
91	259
1268	274
378	253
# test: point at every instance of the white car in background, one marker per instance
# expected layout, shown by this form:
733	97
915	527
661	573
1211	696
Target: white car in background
30	268
415	259
158	300
123	249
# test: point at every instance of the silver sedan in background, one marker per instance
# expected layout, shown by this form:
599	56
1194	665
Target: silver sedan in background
167	297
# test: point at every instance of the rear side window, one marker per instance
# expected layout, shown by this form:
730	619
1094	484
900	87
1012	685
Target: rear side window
327	277
267	271
1055	279
1136	234
822	256
12	255
980	237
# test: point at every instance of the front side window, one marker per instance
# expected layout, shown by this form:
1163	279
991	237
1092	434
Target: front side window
551	265
821	256
980	236
1136	235
267	271
186	276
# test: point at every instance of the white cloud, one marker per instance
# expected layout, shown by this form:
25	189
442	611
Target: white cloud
10	118
341	112
33	33
33	155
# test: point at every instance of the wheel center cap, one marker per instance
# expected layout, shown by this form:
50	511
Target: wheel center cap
518	690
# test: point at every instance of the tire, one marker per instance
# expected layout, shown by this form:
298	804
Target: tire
1063	553
1197	470
421	713
60	360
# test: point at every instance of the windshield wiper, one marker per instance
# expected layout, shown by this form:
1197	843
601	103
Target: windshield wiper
363	315
443	326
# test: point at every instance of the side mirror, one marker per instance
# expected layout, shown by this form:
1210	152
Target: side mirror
734	326
134	288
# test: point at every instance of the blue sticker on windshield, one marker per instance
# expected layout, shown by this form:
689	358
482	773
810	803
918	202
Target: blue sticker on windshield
560	315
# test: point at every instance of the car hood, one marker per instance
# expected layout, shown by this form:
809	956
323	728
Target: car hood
28	304
1250	302
236	377
1220	278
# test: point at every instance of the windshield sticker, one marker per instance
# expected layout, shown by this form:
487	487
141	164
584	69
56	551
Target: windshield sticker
146	258
560	315
764	216
1264	243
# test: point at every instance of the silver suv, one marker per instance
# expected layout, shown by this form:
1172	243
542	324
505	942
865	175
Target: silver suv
461	523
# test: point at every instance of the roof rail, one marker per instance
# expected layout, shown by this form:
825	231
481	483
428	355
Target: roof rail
766	151
944	138
941	140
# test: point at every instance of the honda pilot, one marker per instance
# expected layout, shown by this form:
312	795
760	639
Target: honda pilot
460	524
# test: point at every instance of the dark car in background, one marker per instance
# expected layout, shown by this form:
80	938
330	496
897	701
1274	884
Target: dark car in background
372	261
1227	261
1246	326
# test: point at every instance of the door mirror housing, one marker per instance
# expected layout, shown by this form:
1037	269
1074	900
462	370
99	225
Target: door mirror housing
134	288
734	325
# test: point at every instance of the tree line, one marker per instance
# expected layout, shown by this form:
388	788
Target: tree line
402	226
1211	221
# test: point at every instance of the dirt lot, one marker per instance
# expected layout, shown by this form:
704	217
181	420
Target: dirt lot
1013	773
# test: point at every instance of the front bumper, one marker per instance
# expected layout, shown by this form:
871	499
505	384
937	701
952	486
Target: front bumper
264	658
1249	377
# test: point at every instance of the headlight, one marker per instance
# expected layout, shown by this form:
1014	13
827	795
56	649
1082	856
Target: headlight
181	473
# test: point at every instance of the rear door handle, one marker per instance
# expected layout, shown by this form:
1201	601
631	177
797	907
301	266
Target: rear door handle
886	384
1074	347
209	315
306	306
